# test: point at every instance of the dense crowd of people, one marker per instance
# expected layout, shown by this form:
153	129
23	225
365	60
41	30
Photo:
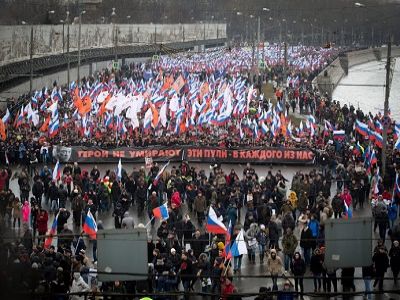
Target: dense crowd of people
208	112
282	219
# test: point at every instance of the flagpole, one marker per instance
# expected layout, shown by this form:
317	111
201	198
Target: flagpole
226	268
148	223
77	244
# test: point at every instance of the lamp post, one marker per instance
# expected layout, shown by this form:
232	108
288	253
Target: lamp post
68	58
63	35
31	45
79	44
115	30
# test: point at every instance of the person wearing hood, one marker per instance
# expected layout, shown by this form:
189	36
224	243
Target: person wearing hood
78	286
127	221
251	242
274	266
298	267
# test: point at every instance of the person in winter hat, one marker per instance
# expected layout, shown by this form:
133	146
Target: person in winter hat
262	239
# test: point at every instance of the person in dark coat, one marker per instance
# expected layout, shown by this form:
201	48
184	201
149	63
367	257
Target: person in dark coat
348	280
37	190
186	272
367	274
306	243
394	254
63	216
316	268
62	195
381	263
298	267
198	243
273	234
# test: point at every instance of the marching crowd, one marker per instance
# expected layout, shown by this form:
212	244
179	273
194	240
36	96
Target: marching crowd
194	109
280	219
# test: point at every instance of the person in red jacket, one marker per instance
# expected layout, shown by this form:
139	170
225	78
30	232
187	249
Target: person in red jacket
228	289
41	224
176	198
346	197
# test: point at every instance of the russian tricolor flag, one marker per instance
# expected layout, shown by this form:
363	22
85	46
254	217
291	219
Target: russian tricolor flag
339	135
57	171
348	214
373	159
159	174
397	144
378	139
6	117
90	226
161	212
396	131
214	225
264	128
238	246
53	231
53	128
20	118
362	128
397	186
378	126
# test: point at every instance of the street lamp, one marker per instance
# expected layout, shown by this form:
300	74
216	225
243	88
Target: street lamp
113	18
63	33
30	58
68	58
79	44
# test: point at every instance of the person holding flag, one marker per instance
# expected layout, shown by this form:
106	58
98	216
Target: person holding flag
237	248
52	232
90	226
214	224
